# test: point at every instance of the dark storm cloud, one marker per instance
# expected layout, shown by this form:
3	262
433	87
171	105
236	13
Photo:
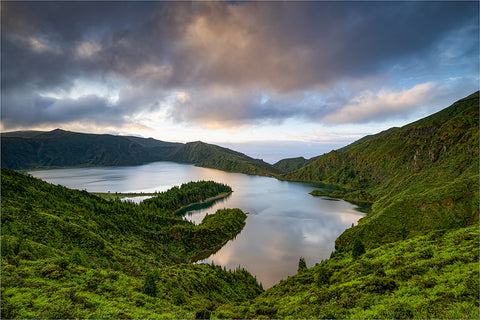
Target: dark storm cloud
29	110
222	57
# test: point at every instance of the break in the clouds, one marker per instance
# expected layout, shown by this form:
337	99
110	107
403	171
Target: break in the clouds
223	65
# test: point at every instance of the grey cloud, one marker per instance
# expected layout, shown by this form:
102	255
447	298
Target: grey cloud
33	110
156	48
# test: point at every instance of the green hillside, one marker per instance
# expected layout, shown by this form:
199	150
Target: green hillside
67	253
434	276
366	138
59	148
423	176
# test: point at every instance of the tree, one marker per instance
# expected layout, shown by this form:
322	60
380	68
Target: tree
302	265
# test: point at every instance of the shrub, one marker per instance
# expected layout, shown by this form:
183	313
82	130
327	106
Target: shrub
323	277
150	285
178	297
26	255
202	314
358	249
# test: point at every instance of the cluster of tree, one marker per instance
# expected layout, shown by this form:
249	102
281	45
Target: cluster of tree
186	194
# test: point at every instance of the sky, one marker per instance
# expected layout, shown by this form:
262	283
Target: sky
270	79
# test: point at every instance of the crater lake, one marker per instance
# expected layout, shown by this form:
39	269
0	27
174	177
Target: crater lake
284	222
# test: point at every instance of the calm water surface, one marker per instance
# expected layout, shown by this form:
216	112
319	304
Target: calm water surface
284	222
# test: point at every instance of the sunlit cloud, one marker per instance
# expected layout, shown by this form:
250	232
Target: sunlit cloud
88	48
369	106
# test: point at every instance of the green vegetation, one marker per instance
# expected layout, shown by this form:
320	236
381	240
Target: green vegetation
433	276
302	265
59	148
68	253
123	195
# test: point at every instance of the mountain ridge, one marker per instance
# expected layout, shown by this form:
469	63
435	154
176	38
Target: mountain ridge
60	148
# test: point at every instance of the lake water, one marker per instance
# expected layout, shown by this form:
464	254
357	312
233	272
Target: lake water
284	222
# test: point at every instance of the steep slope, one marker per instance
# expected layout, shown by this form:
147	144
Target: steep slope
212	156
67	253
423	176
366	138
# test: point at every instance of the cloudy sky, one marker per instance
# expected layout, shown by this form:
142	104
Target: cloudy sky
271	79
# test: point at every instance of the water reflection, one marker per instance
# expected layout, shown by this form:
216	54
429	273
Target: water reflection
284	221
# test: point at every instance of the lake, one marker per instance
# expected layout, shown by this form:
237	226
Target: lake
284	222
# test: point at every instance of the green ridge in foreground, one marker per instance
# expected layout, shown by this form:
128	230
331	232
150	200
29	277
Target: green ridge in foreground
70	254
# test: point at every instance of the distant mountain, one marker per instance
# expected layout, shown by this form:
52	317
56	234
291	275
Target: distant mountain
422	176
59	148
292	164
212	156
22	150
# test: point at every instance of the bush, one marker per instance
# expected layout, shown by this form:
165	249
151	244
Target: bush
178	297
150	285
358	249
323	277
26	255
202	314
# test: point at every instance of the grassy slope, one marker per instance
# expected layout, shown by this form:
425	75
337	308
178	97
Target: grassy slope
435	275
67	253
